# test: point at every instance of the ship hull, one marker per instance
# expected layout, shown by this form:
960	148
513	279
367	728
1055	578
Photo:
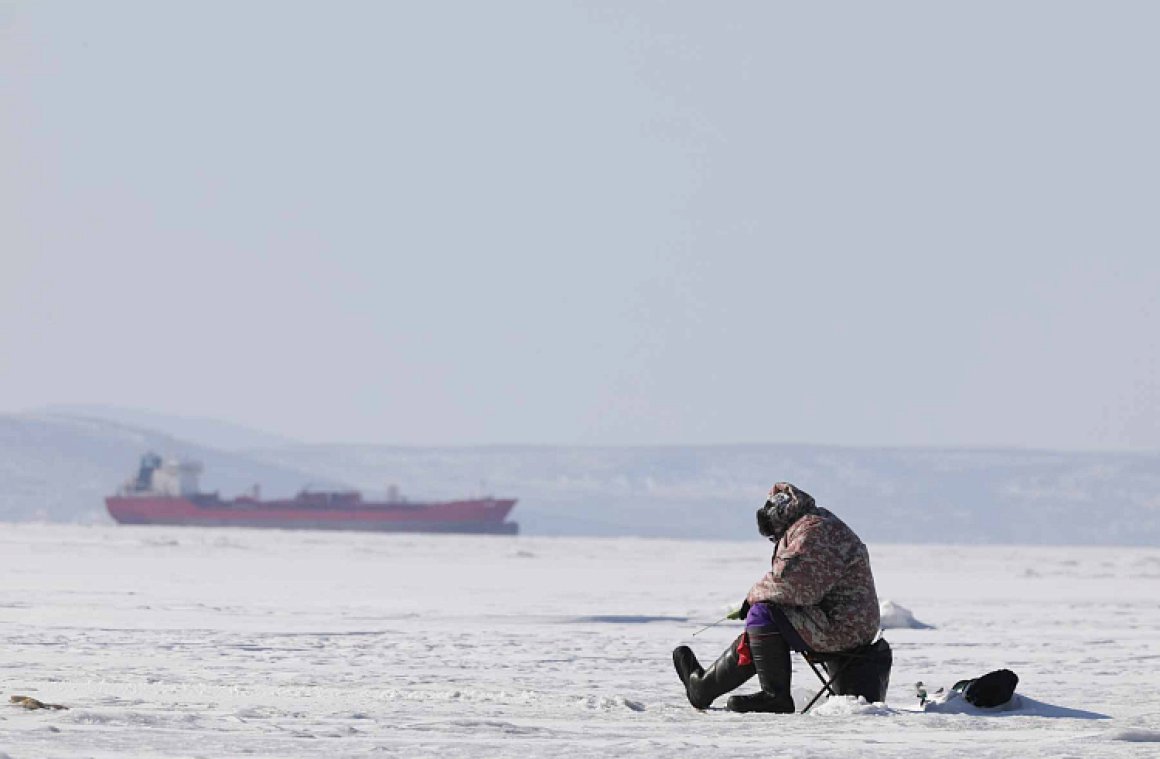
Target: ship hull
472	516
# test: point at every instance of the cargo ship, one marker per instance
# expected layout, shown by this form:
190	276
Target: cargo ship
166	493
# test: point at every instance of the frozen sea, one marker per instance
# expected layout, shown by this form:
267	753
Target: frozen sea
218	643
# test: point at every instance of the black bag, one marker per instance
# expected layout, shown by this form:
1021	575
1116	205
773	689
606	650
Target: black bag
991	690
864	671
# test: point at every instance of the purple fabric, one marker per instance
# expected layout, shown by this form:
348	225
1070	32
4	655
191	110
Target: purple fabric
760	615
766	615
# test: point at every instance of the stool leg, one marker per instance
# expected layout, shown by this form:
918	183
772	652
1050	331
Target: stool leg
827	684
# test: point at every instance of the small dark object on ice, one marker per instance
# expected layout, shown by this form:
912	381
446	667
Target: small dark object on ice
28	702
991	690
923	696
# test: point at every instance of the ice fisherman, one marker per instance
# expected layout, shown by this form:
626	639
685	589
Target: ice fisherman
818	597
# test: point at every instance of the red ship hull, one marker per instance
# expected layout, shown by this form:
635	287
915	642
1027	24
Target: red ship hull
472	516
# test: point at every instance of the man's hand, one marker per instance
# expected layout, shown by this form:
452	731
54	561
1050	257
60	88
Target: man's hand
742	612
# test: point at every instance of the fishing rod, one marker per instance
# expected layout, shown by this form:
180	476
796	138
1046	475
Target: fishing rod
713	624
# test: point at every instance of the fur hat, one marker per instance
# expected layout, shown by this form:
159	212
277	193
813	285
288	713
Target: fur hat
784	505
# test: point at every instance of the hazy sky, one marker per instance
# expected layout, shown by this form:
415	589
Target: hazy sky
562	222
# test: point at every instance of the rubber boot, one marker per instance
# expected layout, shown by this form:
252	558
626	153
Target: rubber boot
771	659
702	686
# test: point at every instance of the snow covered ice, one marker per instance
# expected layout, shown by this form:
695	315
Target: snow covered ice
219	643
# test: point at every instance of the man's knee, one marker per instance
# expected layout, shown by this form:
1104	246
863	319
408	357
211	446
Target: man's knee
761	615
771	615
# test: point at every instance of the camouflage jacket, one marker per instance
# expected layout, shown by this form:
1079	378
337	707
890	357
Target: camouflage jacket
821	578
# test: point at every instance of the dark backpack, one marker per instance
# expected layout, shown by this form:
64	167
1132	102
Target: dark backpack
992	689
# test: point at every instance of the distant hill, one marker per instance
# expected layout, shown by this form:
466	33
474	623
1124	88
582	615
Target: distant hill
210	433
60	468
887	495
56	467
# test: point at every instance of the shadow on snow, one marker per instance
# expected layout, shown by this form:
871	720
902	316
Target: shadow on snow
626	619
1018	706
